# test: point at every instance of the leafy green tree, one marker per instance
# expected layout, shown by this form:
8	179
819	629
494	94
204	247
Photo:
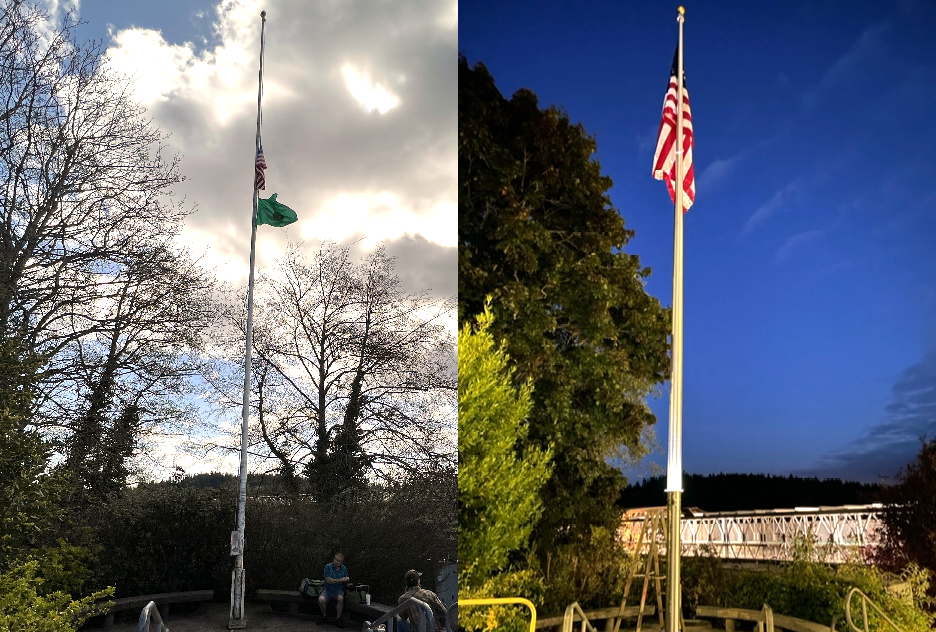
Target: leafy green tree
538	233
498	489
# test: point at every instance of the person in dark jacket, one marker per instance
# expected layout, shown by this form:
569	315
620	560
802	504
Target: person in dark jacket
411	615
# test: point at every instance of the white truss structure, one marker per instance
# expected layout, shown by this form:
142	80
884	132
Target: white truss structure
840	533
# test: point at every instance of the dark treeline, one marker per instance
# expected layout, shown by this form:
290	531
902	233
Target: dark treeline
738	492
257	484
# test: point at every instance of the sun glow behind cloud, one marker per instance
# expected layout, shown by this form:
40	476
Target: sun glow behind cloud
371	96
380	216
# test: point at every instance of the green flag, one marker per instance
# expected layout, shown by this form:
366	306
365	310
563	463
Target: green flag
273	213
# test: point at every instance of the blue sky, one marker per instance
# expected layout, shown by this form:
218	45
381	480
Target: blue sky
810	273
178	20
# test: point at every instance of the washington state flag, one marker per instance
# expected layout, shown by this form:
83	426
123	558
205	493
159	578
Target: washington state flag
271	212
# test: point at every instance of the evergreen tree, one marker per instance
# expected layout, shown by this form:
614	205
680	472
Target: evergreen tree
498	489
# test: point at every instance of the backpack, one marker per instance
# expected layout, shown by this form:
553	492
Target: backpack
311	588
356	594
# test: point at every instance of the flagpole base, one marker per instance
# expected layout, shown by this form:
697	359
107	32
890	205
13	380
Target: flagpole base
238	619
673	580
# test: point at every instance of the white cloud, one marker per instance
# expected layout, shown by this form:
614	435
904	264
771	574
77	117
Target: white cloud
345	169
158	67
55	10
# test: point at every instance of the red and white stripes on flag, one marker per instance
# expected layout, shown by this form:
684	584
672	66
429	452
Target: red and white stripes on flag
664	160
259	181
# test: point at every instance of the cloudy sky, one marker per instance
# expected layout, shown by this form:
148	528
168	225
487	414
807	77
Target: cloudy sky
810	271
359	121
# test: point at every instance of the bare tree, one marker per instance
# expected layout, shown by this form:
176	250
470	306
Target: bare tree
131	377
90	277
353	377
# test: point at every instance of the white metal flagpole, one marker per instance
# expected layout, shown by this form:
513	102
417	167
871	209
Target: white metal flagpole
674	463
237	618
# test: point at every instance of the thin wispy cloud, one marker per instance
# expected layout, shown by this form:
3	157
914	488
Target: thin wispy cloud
848	67
646	142
794	242
721	169
777	201
894	442
838	266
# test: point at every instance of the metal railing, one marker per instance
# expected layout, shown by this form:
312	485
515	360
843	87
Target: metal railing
151	613
569	619
501	601
426	622
865	601
768	534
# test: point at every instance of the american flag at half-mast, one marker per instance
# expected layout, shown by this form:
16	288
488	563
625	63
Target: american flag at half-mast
260	182
664	160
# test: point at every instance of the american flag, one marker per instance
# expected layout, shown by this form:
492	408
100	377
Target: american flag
259	182
664	160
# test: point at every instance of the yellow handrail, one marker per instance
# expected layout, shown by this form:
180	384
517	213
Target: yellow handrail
503	600
865	600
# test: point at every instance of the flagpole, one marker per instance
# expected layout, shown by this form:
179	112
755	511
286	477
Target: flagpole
238	619
674	465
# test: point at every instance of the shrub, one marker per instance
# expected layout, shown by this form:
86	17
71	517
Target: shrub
62	568
165	537
383	533
24	609
592	572
526	583
805	589
160	538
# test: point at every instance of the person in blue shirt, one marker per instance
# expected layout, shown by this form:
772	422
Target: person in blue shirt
336	576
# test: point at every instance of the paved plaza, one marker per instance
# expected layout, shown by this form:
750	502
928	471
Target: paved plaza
260	618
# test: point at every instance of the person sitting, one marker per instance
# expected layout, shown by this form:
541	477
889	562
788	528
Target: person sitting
336	576
411	615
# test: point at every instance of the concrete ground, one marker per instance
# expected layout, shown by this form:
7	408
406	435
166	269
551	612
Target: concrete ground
260	618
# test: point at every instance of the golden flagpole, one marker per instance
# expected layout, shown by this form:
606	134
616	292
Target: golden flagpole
674	463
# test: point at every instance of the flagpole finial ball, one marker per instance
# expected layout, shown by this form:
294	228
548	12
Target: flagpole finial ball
263	14
681	10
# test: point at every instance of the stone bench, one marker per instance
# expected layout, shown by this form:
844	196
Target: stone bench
778	622
294	598
162	601
370	613
607	614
